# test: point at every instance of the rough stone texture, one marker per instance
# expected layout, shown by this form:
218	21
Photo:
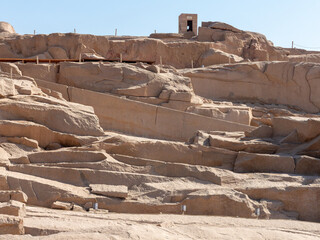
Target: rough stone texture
267	82
250	45
6	196
66	156
58	53
236	143
13	208
252	162
6	27
306	128
11	225
123	79
307	165
55	114
118	191
214	56
221	202
239	114
39	71
61	205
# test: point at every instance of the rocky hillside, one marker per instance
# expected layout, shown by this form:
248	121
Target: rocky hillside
82	141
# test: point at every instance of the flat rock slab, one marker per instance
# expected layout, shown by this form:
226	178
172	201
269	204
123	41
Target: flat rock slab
119	191
253	162
61	205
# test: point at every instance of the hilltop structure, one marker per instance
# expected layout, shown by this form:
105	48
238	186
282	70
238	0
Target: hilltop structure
188	23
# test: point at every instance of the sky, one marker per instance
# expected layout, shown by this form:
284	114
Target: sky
281	21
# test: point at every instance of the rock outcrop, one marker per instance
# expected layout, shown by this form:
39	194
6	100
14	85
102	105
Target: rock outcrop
292	84
249	45
6	28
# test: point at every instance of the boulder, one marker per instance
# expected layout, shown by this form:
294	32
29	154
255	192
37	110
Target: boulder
7	88
214	56
56	114
58	53
221	202
220	25
306	165
6	28
118	191
262	131
238	144
306	128
43	135
61	205
8	67
253	162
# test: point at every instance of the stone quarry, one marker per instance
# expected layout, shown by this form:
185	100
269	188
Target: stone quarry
194	135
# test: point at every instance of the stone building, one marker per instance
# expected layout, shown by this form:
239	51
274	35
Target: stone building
188	23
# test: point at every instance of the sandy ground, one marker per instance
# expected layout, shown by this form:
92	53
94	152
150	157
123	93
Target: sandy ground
59	224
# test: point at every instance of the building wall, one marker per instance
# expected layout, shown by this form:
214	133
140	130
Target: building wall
183	18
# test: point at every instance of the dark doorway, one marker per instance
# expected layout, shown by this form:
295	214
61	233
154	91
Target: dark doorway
189	26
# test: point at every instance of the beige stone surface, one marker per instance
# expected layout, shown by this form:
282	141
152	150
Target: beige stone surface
16	195
53	113
61	205
307	165
214	56
13	208
69	225
239	143
307	128
6	27
39	71
62	155
267	82
252	162
148	120
11	225
57	53
118	191
249	45
122	79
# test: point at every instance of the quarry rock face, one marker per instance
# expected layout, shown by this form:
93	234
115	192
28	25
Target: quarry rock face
266	82
83	141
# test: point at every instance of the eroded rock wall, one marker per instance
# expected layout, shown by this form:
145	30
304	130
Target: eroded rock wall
292	84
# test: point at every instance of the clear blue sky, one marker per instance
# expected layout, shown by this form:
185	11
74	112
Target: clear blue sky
280	20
